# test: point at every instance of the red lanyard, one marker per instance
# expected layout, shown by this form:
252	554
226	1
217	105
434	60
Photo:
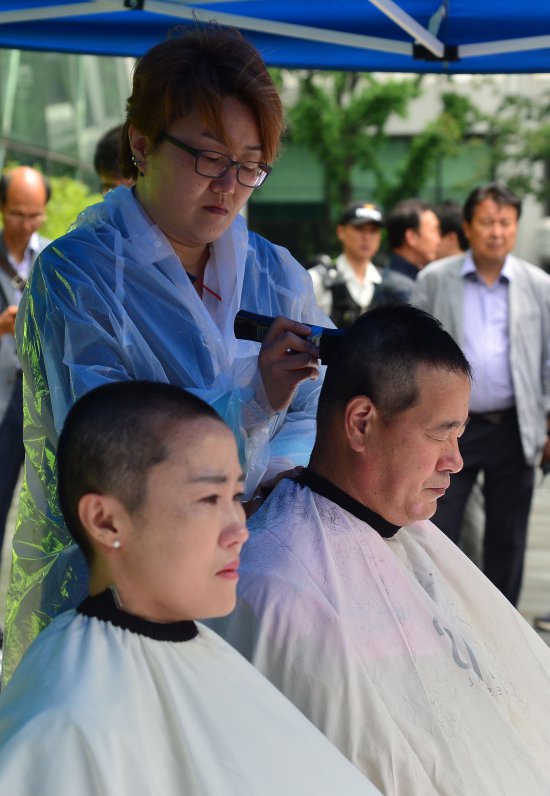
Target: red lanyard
197	283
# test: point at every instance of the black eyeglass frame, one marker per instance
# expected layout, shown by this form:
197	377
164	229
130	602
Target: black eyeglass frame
230	163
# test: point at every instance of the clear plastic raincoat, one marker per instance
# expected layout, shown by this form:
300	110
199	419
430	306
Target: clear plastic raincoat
111	301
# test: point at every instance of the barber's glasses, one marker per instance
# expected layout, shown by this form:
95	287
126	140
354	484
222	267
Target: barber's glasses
208	163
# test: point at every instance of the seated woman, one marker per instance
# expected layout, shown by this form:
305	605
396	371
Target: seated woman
147	286
127	694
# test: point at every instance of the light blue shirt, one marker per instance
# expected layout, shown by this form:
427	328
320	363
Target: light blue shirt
487	337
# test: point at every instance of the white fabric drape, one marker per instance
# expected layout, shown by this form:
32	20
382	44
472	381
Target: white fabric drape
400	650
96	709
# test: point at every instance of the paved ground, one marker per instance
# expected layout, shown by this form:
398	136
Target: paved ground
535	597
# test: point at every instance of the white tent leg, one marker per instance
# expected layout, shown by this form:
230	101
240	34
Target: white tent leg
9	102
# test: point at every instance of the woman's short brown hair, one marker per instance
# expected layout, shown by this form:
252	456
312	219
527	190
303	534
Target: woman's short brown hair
197	71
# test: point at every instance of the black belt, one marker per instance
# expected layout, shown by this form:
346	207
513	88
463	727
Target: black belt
494	418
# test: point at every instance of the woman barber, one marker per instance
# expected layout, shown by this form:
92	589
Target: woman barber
147	285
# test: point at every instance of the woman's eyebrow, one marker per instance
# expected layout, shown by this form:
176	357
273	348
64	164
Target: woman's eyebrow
216	140
213	478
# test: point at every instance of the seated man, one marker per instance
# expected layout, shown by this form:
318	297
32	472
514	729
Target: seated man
367	616
126	694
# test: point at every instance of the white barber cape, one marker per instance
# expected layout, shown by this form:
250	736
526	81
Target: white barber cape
395	645
106	704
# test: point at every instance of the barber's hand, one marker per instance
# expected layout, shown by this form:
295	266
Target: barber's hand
267	487
7	320
286	359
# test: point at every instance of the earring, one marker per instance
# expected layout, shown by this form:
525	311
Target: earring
116	595
117	544
138	164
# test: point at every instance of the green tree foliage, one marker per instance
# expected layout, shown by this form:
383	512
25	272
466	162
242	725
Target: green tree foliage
444	136
342	118
538	149
518	134
69	198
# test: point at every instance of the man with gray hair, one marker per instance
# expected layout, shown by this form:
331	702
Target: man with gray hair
366	615
497	308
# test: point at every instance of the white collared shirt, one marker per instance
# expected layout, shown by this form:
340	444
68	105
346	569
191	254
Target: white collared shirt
23	268
361	290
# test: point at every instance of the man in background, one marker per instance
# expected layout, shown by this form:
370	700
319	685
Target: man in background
24	193
106	160
453	242
497	307
453	239
413	237
344	289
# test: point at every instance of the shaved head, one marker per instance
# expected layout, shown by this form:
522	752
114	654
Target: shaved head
23	181
24	193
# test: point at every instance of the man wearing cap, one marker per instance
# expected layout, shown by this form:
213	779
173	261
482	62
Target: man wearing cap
413	237
344	289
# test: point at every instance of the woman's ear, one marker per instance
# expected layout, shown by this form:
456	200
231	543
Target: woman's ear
104	519
358	417
139	144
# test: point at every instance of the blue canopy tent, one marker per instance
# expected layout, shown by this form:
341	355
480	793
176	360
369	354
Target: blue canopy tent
445	36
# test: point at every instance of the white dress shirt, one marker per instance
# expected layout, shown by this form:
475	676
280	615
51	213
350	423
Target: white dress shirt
23	268
361	290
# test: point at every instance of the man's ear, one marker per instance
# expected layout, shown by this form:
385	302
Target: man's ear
411	237
358	417
104	519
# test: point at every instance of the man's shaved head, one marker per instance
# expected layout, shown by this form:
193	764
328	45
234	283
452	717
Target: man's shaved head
23	180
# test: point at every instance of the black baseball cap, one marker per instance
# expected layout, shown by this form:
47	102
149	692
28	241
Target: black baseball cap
359	213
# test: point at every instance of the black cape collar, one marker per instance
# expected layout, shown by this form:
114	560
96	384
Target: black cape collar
323	487
103	607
